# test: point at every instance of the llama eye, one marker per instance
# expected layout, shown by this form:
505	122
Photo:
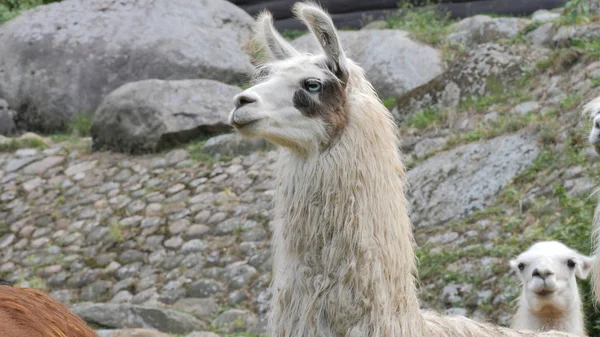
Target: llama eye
571	263
312	85
521	266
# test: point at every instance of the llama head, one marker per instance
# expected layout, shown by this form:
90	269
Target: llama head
548	270
297	100
592	110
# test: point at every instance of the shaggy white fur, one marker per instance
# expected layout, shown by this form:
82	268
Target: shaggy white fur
592	110
343	246
550	298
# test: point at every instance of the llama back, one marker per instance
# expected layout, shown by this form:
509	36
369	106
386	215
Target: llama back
31	313
457	326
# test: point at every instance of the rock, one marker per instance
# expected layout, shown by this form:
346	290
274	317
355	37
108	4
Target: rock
378	24
130	333
202	308
204	288
119	316
235	320
7	123
544	15
96	292
484	68
566	34
482	29
40	167
233	144
526	107
80	50
393	62
452	185
542	35
202	334
152	115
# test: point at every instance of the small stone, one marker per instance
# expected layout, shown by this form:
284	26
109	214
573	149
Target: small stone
122	296
526	107
202	334
174	242
196	231
96	292
171	292
153	210
6	240
179	226
235	320
192	246
40	167
204	288
23	153
135	207
175	188
80	167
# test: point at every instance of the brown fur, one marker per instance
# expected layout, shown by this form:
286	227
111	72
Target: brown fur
31	313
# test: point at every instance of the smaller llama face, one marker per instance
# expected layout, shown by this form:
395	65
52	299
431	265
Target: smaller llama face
592	109
548	271
297	100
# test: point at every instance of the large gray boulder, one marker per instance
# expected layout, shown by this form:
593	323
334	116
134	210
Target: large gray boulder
153	115
394	63
486	68
452	185
482	28
60	60
7	123
123	316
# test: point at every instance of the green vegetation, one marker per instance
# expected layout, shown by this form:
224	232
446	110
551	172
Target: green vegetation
11	8
22	143
576	12
197	153
389	102
292	34
425	23
426	119
116	232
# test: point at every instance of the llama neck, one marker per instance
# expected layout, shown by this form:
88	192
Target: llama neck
551	318
344	256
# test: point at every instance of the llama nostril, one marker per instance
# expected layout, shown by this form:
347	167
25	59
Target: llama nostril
597	125
541	274
243	100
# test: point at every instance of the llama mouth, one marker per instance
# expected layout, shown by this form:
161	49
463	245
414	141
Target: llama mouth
245	125
544	292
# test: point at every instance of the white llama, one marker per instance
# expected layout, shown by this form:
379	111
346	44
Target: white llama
550	298
343	246
592	110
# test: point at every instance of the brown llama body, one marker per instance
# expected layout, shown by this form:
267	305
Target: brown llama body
31	313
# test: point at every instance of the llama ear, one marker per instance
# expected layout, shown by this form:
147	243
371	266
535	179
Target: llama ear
321	25
591	108
277	47
584	267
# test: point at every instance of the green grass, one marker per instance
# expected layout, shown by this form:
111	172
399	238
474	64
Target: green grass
22	143
389	102
424	23
571	101
425	119
292	34
116	232
11	8
576	12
